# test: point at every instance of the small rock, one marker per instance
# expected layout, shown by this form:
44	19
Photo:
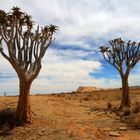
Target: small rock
70	133
107	129
27	128
123	128
114	133
33	138
41	133
117	118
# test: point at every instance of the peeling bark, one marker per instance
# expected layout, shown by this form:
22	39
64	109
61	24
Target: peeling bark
24	48
23	112
125	101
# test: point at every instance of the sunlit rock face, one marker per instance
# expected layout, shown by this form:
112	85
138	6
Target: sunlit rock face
87	88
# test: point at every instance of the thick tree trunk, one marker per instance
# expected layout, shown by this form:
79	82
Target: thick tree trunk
23	112
125	101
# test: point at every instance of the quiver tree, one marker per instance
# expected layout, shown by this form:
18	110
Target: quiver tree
23	47
123	56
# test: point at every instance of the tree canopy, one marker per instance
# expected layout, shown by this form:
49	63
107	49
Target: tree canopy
26	45
123	56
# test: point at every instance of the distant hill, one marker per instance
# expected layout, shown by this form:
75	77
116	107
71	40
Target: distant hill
87	89
134	86
91	88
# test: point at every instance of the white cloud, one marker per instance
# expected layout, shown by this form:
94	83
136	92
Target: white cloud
85	18
60	75
5	66
79	22
104	19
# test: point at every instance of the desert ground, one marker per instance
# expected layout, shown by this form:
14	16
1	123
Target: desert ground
77	116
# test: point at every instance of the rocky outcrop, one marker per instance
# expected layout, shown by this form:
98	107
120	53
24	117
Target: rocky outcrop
87	89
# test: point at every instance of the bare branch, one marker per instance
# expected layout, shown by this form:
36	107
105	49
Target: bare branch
25	47
123	56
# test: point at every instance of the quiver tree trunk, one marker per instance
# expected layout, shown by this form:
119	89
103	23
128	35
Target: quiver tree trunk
24	47
125	101
123	57
23	112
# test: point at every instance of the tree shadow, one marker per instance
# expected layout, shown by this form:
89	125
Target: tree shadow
7	122
5	133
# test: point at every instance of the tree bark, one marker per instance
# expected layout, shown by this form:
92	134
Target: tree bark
23	112
125	101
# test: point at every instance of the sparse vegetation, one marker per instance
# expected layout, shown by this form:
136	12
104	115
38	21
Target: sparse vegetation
57	116
8	118
109	105
126	111
86	99
136	107
136	121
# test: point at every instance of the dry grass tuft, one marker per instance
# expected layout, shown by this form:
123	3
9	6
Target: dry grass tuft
7	118
136	121
109	105
126	111
136	107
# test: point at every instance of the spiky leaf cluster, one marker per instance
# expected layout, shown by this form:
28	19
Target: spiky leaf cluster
121	54
26	43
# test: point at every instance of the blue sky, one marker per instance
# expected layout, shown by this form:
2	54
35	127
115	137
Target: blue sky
73	59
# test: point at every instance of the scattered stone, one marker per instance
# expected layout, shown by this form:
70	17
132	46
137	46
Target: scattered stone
42	132
109	115
123	128
70	133
114	133
33	138
117	118
27	128
107	129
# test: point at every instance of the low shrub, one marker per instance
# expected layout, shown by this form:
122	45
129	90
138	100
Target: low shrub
8	118
109	105
136	122
136	107
126	111
86	99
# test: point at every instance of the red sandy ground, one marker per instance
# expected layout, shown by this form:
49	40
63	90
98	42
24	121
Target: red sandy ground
75	116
